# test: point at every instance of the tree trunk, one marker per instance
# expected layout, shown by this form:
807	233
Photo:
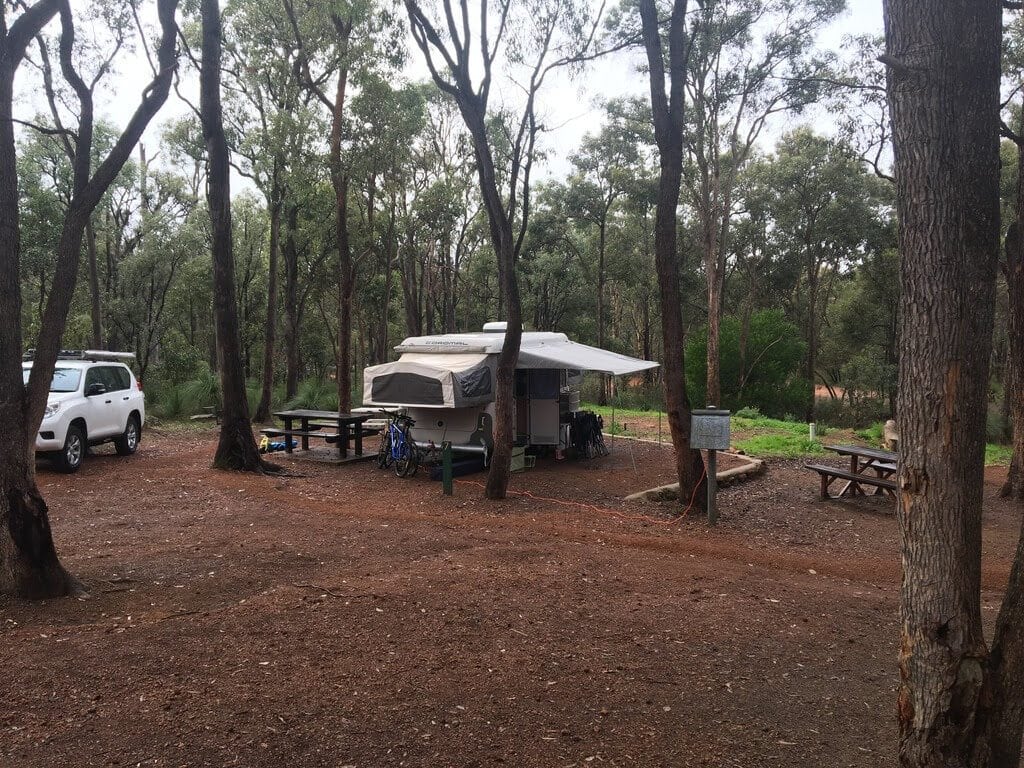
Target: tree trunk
956	706
668	124
95	308
28	560
270	328
1013	268
291	302
236	448
715	277
340	182
602	394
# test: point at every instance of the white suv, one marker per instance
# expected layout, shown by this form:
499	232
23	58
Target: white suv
93	399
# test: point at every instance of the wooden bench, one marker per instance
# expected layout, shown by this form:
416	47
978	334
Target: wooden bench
830	474
330	437
367	430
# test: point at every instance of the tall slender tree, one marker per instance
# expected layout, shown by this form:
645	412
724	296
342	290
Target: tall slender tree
548	35
28	561
667	111
236	448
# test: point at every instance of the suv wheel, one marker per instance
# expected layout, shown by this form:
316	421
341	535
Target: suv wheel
128	442
69	458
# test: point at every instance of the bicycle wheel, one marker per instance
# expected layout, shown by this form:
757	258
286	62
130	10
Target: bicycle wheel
384	457
408	459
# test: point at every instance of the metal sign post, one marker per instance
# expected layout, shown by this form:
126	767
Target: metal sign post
446	468
709	430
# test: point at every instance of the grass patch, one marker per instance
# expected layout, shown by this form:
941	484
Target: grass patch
998	455
786	446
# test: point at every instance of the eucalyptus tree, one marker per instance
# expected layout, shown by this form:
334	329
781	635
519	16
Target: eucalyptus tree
749	61
826	216
533	38
271	121
1013	259
28	562
667	45
960	701
603	171
336	41
236	447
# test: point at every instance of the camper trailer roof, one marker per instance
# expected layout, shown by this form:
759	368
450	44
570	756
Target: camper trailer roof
537	350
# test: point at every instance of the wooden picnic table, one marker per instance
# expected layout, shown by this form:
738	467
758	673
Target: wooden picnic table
872	467
312	424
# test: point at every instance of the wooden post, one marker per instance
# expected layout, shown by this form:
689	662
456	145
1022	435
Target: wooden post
446	468
712	486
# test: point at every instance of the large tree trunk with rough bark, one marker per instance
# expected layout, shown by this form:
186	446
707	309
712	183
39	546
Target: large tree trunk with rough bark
668	125
28	560
957	705
236	448
1013	268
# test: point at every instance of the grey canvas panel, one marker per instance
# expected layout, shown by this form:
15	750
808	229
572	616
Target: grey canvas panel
408	389
475	383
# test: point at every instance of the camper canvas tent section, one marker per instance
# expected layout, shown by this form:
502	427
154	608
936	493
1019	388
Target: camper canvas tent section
446	383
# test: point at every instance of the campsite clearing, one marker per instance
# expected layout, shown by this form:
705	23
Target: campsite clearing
347	617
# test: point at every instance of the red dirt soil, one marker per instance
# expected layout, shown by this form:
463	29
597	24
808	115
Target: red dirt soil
346	617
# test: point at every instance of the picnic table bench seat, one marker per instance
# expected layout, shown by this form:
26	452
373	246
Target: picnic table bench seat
330	437
831	474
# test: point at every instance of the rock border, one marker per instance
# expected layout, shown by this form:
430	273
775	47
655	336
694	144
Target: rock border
670	492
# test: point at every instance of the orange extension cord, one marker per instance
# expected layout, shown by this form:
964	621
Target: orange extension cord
602	510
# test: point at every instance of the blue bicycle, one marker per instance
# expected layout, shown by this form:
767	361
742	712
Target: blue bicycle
397	446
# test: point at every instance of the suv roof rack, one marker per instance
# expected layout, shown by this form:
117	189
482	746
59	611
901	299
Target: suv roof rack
85	354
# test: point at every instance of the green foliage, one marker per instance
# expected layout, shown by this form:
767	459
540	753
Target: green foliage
874	434
766	375
781	446
748	412
998	455
316	394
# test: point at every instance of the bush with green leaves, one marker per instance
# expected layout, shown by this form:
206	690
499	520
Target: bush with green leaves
768	376
317	395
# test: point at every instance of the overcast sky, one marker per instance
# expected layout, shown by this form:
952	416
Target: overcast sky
569	107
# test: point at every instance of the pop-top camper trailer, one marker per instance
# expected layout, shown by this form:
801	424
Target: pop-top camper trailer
446	383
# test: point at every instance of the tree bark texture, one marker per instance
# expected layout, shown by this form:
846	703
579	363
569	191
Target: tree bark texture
943	60
236	448
28	560
668	130
1013	269
95	306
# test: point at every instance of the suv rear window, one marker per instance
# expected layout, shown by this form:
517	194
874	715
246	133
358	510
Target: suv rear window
64	379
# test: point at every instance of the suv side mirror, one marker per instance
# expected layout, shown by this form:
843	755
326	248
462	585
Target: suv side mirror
95	389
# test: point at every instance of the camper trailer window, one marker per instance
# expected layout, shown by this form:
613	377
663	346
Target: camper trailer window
476	382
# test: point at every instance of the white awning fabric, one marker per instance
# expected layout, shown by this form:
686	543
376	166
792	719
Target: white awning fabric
570	354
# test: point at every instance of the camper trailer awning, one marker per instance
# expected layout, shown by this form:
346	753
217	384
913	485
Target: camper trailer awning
570	354
537	350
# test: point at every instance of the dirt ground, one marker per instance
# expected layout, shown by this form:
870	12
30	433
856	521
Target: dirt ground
346	617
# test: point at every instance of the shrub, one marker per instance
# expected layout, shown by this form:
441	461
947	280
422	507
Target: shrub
749	412
772	381
315	394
